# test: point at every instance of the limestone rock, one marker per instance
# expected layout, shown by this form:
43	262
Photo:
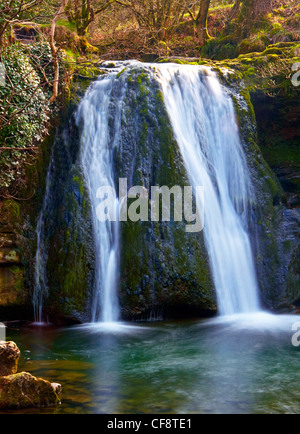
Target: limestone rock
9	358
26	391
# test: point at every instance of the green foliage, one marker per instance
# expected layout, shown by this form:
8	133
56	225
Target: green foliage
24	110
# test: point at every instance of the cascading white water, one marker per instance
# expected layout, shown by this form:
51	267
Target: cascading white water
40	278
97	145
203	119
205	127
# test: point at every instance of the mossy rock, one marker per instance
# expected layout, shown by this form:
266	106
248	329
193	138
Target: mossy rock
9	358
162	266
25	391
86	48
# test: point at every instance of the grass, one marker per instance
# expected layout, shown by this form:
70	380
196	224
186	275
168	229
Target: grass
67	24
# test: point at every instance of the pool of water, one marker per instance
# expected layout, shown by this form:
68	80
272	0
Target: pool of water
241	364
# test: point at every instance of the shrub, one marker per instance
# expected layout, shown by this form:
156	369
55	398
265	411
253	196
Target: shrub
24	109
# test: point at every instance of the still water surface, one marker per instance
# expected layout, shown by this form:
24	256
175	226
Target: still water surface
241	364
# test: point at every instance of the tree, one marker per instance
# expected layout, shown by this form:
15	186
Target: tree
161	18
81	13
55	50
254	10
235	10
200	20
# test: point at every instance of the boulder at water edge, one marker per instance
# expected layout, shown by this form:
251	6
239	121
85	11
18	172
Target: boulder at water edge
9	357
25	391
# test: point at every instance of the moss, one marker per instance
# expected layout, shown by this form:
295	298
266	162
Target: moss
86	47
159	97
67	24
143	138
25	391
121	72
276	28
79	183
19	282
143	78
11	211
88	72
273	50
70	261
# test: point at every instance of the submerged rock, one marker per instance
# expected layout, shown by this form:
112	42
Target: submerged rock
9	358
24	391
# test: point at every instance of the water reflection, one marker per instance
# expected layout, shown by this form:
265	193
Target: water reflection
242	365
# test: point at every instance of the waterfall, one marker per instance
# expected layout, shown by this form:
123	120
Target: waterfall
202	115
40	274
99	117
204	123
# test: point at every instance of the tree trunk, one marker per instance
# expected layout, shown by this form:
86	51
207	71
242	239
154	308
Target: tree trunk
263	7
54	50
201	22
235	10
254	10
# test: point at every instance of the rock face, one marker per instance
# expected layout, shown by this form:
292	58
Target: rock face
9	358
276	237
25	391
164	270
14	296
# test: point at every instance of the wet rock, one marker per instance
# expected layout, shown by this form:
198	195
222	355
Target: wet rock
9	358
26	391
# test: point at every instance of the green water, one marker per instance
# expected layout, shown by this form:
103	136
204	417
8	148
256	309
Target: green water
242	365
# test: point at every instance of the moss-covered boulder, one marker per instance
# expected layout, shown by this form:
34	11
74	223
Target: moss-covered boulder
9	358
25	391
164	270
